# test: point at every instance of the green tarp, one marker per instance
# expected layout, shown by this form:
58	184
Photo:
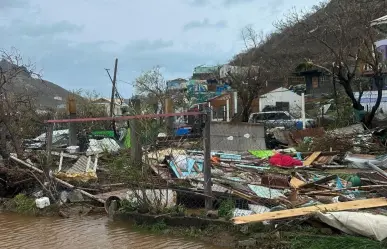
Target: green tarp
127	139
262	154
109	134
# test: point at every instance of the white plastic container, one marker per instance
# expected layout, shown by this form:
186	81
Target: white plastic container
72	149
42	202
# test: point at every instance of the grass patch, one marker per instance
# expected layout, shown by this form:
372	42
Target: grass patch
335	242
24	204
158	227
226	208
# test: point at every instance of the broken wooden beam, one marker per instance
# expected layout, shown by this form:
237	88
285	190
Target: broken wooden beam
296	183
341	206
311	158
66	184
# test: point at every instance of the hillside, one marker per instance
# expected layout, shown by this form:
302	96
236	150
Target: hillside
341	24
46	93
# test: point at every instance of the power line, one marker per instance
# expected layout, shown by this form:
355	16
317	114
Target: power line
125	82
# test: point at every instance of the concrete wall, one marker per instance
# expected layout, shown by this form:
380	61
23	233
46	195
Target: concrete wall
237	136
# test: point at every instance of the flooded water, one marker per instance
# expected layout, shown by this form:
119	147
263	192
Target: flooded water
20	232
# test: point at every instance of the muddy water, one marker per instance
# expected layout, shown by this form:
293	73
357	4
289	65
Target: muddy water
86	233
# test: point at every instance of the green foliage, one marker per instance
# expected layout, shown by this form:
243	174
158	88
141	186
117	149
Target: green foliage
150	128
24	204
334	242
121	169
86	108
146	196
226	208
345	116
127	206
177	210
303	146
158	227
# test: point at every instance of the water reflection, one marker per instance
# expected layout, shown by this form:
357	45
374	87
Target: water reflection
89	232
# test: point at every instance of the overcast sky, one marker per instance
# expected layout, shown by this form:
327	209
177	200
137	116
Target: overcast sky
72	41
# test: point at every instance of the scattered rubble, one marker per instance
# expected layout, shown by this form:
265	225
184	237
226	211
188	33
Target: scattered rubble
326	182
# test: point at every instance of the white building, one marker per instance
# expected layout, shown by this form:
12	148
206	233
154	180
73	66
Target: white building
368	100
118	105
282	99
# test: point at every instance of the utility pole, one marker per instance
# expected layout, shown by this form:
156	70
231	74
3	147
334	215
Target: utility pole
207	161
169	109
72	111
112	102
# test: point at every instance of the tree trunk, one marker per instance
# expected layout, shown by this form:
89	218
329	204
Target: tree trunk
379	84
17	144
4	153
348	90
15	140
246	109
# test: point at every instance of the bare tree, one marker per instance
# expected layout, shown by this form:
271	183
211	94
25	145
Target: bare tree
151	84
17	110
339	33
249	74
86	107
152	87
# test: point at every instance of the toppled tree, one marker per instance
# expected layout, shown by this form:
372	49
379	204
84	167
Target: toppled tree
341	41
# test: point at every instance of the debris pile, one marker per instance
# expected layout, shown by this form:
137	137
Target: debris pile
327	183
286	184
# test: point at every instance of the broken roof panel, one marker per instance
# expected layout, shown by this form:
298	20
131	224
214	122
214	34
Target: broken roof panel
265	192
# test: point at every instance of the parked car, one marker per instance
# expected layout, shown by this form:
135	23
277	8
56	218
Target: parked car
279	119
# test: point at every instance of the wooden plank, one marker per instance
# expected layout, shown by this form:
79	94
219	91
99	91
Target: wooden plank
64	155
311	158
296	183
341	206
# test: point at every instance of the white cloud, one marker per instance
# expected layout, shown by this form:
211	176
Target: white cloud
73	41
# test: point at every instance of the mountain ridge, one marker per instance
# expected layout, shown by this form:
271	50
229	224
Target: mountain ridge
46	93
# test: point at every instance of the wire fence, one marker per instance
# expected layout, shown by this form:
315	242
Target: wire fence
160	165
